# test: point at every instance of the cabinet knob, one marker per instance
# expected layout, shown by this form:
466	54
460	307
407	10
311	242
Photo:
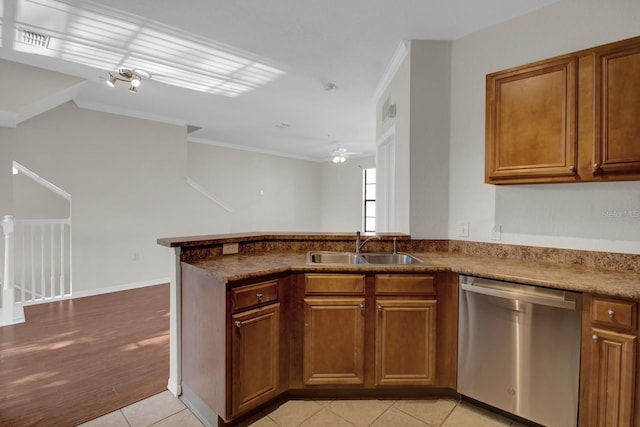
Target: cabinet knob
572	169
259	296
238	323
379	308
362	307
597	168
611	313
594	338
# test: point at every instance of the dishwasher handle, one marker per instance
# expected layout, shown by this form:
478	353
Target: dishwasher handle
522	297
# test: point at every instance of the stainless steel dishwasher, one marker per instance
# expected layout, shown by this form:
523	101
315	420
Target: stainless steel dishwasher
519	349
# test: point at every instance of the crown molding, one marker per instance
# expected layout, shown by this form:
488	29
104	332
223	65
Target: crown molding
250	149
49	102
401	53
136	114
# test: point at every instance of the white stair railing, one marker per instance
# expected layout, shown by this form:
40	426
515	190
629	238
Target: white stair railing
8	311
37	263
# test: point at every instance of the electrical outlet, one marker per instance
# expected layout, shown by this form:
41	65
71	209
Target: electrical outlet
496	232
230	248
463	229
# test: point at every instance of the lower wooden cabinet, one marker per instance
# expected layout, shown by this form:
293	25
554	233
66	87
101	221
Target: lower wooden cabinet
405	342
609	363
333	341
392	317
246	343
255	355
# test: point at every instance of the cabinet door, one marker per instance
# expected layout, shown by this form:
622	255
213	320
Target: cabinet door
531	123
255	356
617	108
611	384
333	341
405	342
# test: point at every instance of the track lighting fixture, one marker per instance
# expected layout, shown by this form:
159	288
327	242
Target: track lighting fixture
133	77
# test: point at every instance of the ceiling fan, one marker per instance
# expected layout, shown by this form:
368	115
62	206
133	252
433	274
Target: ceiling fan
340	155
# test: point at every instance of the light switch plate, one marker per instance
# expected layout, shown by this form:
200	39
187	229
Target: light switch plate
496	232
463	228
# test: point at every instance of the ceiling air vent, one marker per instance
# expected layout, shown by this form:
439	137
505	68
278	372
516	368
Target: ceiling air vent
34	39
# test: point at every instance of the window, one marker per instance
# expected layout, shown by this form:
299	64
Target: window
369	200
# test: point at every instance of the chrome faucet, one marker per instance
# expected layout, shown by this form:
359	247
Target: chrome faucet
360	245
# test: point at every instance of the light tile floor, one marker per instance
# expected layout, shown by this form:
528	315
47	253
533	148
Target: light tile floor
164	410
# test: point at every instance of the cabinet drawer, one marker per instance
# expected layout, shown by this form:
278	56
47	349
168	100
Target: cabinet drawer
254	295
413	284
613	312
334	283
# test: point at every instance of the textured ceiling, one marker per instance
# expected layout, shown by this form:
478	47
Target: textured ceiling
249	73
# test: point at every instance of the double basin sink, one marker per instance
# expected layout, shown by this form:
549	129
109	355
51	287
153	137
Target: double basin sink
387	258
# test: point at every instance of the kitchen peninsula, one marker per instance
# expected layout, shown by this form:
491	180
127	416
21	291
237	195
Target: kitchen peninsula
253	327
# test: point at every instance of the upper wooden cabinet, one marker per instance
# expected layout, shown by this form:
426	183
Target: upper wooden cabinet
566	119
617	109
531	122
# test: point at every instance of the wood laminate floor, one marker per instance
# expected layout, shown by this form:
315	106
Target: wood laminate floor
76	360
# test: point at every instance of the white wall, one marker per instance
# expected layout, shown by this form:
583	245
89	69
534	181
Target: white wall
398	92
31	200
341	202
429	153
420	89
264	192
124	176
127	179
591	216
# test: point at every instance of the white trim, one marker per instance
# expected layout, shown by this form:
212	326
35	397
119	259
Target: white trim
199	408
251	149
37	178
396	60
118	288
65	221
385	183
18	315
208	195
174	388
137	114
175	323
8	119
13	119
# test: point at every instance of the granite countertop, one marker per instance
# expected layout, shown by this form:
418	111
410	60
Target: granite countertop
617	283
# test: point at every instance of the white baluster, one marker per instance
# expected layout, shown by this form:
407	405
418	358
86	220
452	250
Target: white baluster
8	290
23	278
33	264
52	263
62	290
43	290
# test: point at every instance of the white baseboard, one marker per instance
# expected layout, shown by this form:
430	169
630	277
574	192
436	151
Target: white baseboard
199	408
174	388
118	288
18	315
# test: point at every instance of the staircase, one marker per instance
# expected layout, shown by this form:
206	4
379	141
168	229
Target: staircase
37	265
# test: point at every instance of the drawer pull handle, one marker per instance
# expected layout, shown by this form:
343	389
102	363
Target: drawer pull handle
260	296
238	323
595	338
611	313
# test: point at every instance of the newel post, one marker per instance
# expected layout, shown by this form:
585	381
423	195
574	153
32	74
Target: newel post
8	297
